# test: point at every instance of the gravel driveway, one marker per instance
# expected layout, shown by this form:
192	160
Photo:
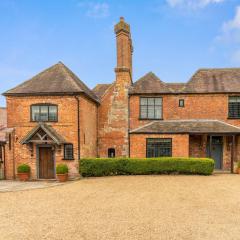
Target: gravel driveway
134	207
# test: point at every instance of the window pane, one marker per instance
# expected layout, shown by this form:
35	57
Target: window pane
52	113
159	147
150	101
68	151
143	113
158	101
234	107
143	101
150	111
43	113
35	113
181	102
158	112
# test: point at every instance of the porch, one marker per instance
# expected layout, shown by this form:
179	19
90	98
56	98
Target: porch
188	138
223	148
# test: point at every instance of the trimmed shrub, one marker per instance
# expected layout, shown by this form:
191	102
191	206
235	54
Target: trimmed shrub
23	168
62	169
96	167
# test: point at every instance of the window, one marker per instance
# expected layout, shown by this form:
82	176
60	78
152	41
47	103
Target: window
181	103
111	153
68	152
159	147
44	113
151	108
234	107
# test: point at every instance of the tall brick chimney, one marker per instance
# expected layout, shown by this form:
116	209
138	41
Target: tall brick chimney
124	47
113	134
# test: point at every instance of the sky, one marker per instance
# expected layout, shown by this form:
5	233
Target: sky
172	38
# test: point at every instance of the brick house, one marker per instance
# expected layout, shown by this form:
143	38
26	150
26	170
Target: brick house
55	118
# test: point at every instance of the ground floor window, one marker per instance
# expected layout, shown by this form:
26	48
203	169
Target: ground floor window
68	151
111	153
159	147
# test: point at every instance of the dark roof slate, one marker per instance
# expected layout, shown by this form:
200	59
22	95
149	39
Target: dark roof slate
149	83
216	80
58	79
188	126
100	89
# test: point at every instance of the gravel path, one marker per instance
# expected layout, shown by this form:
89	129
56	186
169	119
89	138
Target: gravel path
134	207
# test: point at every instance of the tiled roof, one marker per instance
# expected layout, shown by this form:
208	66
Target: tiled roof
149	83
100	89
188	126
222	80
56	80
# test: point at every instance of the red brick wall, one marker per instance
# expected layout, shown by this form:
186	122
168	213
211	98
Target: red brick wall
197	106
113	118
18	109
180	144
88	127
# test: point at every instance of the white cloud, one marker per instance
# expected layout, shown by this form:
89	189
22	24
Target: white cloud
229	37
192	4
233	24
230	32
95	10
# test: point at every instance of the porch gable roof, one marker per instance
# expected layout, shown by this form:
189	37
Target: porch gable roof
51	132
188	126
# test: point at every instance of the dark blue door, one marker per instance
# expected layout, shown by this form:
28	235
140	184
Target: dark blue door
217	151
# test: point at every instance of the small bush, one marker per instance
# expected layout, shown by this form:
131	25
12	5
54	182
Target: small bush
61	169
23	168
238	164
97	167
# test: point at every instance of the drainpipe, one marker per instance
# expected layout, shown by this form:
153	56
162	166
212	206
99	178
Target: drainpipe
78	123
13	149
129	145
4	161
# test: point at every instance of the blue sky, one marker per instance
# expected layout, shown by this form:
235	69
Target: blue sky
172	38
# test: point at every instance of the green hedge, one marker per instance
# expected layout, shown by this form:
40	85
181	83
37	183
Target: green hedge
96	167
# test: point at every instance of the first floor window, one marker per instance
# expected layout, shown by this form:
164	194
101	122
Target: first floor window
68	151
159	147
150	108
181	103
234	107
44	113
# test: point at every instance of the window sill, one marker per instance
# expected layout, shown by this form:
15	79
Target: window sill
43	121
68	159
150	119
232	118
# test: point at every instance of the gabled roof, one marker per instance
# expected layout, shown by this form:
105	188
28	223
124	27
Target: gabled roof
58	139
188	126
100	89
56	80
216	80
149	83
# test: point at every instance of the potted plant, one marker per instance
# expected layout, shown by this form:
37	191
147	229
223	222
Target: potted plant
23	171
62	172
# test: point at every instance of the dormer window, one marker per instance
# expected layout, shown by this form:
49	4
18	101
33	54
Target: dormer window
150	108
44	113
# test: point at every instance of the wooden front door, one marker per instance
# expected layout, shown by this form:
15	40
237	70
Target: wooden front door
46	163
